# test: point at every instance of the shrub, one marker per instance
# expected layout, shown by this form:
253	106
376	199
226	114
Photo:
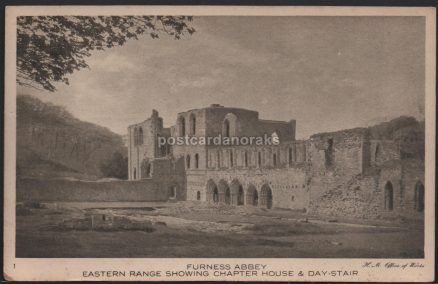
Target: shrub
116	166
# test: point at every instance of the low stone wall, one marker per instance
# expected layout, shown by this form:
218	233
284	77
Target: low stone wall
77	191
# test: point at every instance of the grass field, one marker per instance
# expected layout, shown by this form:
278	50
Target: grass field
191	229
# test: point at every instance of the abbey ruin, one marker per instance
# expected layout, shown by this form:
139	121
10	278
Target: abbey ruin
345	173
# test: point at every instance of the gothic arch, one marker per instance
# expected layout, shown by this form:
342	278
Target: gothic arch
181	123
389	196
192	123
251	197
140	136
224	192
377	152
146	169
135	136
188	161
212	192
266	196
237	193
196	161
173	189
229	125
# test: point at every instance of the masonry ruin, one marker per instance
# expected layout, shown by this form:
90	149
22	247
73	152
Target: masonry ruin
354	173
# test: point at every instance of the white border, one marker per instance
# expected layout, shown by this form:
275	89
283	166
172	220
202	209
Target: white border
71	269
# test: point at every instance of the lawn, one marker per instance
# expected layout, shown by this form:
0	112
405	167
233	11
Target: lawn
191	229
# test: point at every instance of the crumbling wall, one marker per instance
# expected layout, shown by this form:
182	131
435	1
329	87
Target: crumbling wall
382	151
356	198
146	150
365	196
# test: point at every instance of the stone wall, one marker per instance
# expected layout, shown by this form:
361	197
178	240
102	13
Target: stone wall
357	198
167	182
84	191
382	151
288	186
367	196
338	152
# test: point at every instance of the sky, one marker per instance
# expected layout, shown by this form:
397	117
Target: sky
327	73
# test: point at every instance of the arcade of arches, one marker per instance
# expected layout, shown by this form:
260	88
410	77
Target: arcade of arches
235	194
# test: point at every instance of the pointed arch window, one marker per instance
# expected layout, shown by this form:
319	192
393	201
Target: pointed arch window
196	161
192	124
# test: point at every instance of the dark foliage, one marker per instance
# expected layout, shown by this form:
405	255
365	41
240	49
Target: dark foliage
116	167
51	47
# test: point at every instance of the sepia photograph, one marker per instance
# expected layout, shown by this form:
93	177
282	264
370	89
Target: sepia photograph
196	135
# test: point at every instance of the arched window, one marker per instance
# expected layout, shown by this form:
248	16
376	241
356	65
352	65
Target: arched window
329	153
389	196
218	159
135	173
246	159
172	192
148	170
140	136
227	128
135	136
229	125
182	126
240	196
377	153
188	161
251	196
145	169
196	161
266	196
192	124
290	156
231	158
259	159
274	160
198	195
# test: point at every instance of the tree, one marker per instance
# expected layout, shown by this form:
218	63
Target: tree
116	167
51	47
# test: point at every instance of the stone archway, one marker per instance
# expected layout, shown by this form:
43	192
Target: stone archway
237	194
240	196
173	191
266	196
419	197
146	169
224	192
252	197
212	192
389	196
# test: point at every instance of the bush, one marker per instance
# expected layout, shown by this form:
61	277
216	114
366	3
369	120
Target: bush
116	166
